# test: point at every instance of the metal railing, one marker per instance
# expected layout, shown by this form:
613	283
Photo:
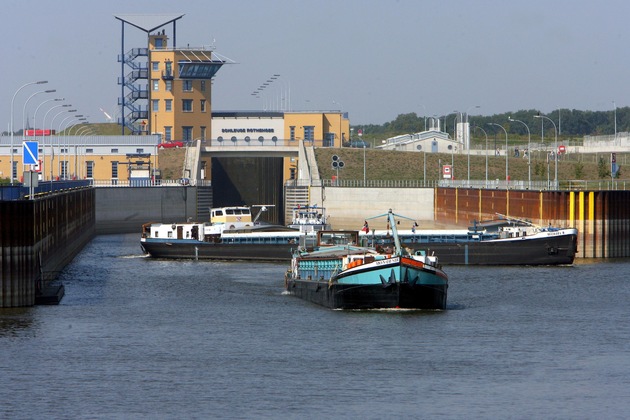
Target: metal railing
573	185
150	182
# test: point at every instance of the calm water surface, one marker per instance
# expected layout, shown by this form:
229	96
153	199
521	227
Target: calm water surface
142	338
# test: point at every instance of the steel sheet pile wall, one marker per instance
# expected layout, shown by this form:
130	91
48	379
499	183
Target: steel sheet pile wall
38	238
601	217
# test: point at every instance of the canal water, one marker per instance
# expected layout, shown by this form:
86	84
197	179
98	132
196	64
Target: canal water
141	338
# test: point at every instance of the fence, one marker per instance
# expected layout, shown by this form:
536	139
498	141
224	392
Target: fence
570	185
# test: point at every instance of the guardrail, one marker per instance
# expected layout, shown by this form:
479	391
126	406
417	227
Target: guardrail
592	185
150	182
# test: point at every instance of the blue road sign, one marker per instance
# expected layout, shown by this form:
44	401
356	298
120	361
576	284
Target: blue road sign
29	152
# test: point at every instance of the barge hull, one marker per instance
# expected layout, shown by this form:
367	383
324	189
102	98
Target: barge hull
267	252
371	296
545	251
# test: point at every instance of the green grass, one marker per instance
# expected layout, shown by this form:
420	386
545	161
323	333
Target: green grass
396	165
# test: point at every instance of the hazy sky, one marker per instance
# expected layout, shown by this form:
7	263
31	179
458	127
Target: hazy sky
373	59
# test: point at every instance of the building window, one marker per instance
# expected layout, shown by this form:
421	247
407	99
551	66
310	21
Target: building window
187	133
203	133
159	42
292	132
155	105
187	105
114	151
169	85
309	132
64	169
155	66
89	169
292	173
114	170
89	151
187	86
203	85
168	105
14	170
156	85
203	105
168	133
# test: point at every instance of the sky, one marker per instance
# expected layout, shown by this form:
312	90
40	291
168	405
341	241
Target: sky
372	59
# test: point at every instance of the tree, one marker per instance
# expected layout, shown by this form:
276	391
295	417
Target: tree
602	168
579	170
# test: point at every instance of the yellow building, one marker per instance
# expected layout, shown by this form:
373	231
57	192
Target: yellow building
180	84
251	132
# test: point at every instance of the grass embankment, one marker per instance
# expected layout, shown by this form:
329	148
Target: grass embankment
396	165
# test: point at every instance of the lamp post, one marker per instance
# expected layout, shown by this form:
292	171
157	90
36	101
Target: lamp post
340	118
52	147
486	134
12	102
43	168
26	103
529	161
24	117
81	131
467	137
555	152
507	176
67	130
615	107
63	174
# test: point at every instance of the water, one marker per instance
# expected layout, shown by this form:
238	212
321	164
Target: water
142	338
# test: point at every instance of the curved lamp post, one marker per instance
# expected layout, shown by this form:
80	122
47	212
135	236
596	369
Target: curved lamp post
24	118
529	161
555	152
41	82
59	142
467	136
43	168
52	146
506	150
26	103
486	134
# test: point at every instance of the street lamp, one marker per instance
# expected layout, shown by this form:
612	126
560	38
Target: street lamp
67	130
486	134
63	174
24	117
615	106
529	161
340	118
52	147
506	150
555	152
26	103
78	152
42	169
364	172
12	102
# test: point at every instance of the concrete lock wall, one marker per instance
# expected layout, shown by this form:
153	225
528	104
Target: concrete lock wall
347	208
125	210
